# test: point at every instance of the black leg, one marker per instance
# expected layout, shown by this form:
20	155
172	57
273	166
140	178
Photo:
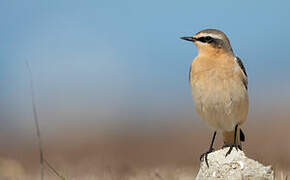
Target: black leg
235	142
209	151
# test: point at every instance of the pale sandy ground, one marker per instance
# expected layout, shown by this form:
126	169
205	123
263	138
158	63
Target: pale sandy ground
12	170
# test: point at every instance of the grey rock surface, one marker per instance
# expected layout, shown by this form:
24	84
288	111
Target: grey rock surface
233	167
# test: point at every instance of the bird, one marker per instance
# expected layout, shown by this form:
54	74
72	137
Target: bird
219	84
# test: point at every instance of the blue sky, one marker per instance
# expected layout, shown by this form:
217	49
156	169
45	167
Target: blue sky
123	60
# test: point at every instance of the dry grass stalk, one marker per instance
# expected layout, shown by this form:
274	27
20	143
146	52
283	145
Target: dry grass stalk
38	133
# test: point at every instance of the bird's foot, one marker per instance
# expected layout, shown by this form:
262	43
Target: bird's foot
231	148
204	156
226	146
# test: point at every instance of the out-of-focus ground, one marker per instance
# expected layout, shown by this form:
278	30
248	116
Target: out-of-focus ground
116	153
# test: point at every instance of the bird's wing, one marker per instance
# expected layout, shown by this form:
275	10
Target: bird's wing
242	67
189	74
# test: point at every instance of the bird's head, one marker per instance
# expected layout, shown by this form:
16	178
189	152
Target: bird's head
210	41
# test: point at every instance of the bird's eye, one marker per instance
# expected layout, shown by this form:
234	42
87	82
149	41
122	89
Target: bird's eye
206	39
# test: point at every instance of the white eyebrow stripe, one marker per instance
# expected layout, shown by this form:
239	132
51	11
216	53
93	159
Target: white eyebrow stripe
215	36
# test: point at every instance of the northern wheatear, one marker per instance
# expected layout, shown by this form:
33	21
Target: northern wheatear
219	87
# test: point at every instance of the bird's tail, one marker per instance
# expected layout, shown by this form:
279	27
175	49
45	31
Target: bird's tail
242	136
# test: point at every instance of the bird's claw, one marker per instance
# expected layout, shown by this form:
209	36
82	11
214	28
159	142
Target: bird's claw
237	147
226	146
204	155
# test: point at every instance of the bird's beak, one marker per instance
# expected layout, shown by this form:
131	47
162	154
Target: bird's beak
192	39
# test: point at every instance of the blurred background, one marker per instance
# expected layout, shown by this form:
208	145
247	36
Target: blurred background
111	83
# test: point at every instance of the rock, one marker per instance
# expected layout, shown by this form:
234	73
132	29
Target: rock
233	167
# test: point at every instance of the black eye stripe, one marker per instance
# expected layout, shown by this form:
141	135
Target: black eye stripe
206	39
